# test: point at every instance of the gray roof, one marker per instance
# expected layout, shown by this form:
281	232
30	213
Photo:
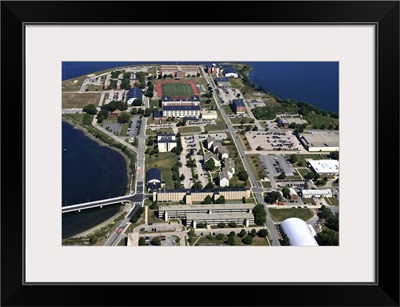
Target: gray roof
153	174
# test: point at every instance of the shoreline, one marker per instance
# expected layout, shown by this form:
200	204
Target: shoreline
90	136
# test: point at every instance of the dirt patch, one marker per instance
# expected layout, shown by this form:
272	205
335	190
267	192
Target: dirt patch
79	100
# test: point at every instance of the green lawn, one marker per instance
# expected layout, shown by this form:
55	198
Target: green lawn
176	89
332	200
317	120
255	163
154	104
266	184
189	129
227	109
246	120
164	162
280	215
243	140
219	125
257	241
76	117
309	200
302	158
303	171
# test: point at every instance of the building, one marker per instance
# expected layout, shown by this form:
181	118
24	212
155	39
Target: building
211	143
210	214
211	68
316	193
114	114
153	178
178	71
238	106
223	152
188	196
166	141
229	71
209	155
229	165
223	178
222	82
320	141
325	167
180	101
298	232
107	82
293	195
209	114
181	111
133	94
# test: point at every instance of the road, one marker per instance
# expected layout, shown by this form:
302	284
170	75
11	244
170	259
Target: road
256	188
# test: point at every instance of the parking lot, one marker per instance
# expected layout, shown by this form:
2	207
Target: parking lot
114	128
254	103
133	126
114	95
227	94
274	140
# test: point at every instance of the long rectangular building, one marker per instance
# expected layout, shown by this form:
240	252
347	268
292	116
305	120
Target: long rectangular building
188	196
320	141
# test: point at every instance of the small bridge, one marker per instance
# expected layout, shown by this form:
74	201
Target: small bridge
98	203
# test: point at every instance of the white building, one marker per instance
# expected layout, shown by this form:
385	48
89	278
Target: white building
316	193
166	141
320	141
223	178
325	167
223	152
209	114
298	232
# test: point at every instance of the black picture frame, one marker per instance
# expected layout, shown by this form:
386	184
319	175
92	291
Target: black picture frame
15	292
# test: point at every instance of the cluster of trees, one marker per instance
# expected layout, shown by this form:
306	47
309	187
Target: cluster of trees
272	197
260	215
181	122
90	109
243	176
175	176
87	119
115	73
137	102
210	164
197	185
178	149
282	175
154	205
141	76
150	89
125	84
334	155
331	220
110	107
208	200
135	217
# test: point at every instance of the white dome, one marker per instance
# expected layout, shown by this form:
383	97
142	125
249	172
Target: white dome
298	232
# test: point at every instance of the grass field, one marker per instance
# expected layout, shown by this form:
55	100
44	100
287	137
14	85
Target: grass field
164	162
258	170
191	129
176	89
79	100
332	200
283	214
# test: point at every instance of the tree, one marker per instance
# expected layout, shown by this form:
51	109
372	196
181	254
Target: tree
182	177
124	117
154	205
197	185
243	199
253	233
207	200
310	175
220	200
300	163
210	164
142	241
260	215
150	142
255	128
231	240
282	175
156	241
243	176
259	148
285	192
137	102
232	225
262	233
328	237
272	197
220	236
248	128
191	233
221	225
334	155
90	109
242	233
247	240
209	185
293	159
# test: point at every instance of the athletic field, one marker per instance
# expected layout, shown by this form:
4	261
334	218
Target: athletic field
176	89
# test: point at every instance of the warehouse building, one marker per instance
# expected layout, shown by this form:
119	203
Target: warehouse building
320	141
325	167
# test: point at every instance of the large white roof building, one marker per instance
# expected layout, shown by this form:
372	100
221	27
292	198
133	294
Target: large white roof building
298	232
325	167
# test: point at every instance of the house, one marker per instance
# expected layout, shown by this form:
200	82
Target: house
223	152
222	82
208	156
210	142
229	165
133	94
166	141
114	114
223	178
238	106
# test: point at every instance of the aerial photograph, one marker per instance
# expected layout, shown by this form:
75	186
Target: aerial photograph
216	153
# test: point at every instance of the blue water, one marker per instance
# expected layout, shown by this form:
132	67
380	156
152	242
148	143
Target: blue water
316	83
89	172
